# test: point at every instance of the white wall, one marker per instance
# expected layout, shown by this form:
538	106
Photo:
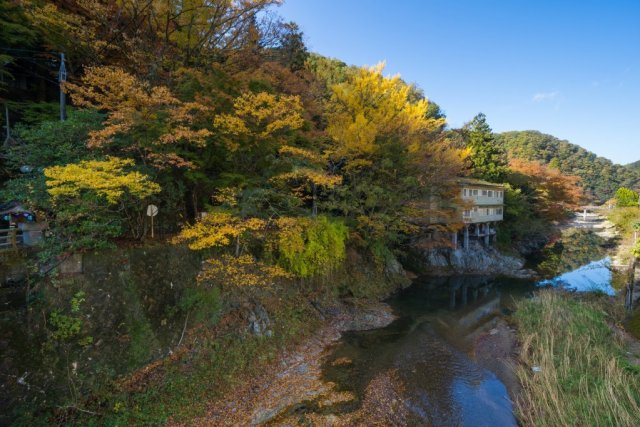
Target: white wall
497	199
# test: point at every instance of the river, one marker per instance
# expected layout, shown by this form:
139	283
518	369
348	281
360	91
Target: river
447	359
444	361
430	349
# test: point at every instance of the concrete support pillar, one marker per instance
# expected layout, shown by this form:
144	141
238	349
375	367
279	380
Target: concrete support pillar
487	234
452	298
466	237
464	291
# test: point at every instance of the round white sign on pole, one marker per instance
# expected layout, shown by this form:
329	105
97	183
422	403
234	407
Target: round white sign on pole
152	210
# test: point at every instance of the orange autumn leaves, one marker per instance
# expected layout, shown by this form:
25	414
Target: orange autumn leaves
151	123
150	119
553	192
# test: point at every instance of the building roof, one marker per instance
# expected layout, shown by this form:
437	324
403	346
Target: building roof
12	207
478	182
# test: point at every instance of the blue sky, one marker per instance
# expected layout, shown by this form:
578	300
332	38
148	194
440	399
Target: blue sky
567	68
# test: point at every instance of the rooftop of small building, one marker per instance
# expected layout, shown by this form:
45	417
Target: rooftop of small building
478	182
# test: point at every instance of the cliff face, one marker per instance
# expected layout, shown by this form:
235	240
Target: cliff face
477	259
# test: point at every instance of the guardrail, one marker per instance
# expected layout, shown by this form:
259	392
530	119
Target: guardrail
11	238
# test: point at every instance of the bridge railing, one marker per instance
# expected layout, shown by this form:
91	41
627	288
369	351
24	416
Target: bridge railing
11	238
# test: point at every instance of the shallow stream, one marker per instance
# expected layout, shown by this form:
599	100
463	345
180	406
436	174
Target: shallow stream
447	356
132	310
430	352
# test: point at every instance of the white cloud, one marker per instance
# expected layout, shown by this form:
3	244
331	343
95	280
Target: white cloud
545	96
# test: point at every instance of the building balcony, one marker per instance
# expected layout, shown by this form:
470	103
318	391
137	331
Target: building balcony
480	200
481	216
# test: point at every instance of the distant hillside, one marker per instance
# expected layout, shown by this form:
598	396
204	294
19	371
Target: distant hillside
600	176
634	166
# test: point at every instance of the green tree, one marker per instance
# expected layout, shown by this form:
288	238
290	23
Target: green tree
292	49
626	197
488	160
16	34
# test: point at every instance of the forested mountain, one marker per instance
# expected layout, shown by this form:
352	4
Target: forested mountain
634	166
600	177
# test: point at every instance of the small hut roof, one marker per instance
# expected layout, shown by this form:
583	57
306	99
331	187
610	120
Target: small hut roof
13	207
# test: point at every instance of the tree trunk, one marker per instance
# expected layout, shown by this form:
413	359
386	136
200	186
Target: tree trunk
314	203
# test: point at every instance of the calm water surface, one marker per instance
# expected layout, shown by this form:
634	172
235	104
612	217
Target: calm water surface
429	349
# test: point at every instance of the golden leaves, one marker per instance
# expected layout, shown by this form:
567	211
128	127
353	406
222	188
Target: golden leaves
311	175
258	117
106	178
301	153
227	196
371	106
242	271
217	229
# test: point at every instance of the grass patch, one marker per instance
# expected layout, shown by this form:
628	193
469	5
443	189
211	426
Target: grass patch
624	219
584	378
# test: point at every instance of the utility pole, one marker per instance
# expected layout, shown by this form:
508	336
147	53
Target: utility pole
7	140
62	79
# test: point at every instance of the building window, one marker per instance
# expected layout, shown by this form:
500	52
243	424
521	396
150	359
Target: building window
490	193
475	192
488	210
499	211
484	192
475	210
464	192
467	213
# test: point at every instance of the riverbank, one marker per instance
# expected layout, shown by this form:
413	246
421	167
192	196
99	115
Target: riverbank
264	356
295	377
575	369
208	347
299	391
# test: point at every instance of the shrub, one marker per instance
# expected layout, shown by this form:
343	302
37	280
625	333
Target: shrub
626	197
309	247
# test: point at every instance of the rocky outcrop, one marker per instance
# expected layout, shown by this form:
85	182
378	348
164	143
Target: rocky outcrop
477	259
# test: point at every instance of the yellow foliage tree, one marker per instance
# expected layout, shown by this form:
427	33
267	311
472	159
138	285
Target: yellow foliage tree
371	107
93	200
258	125
241	271
392	153
308	171
259	117
107	178
219	229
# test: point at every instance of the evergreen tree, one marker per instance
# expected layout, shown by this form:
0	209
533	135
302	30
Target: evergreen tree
488	160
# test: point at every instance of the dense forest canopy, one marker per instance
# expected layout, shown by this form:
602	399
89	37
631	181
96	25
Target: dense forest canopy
218	108
634	165
600	177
